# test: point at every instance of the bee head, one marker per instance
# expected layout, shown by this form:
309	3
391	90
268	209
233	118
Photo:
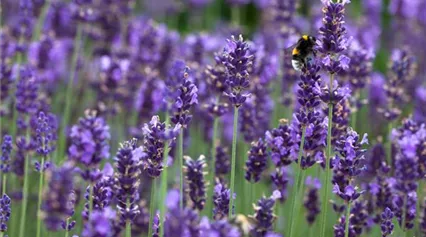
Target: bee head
312	39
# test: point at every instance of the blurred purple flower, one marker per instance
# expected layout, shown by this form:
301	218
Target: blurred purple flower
220	228
100	224
221	199
194	175
257	161
312	201
386	225
5	212
89	144
6	150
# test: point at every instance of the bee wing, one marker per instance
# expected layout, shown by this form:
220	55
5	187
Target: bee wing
290	44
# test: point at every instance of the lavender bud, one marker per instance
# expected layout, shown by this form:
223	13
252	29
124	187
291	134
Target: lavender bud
195	178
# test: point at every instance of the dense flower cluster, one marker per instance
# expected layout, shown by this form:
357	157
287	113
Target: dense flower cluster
89	144
5	212
194	170
155	135
57	199
6	149
257	161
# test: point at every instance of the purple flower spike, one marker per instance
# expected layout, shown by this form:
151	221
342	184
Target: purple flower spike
27	91
280	141
312	201
221	199
100	224
5	212
195	180
156	134
128	161
281	179
184	97
223	161
257	161
89	144
237	60
264	215
58	199
220	228
46	133
386	225
6	150
103	192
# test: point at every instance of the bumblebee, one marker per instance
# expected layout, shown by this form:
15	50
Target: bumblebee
303	51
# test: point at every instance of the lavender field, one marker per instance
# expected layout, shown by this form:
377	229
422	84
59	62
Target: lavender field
213	118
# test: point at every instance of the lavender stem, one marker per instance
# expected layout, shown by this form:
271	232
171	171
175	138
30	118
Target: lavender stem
163	192
151	207
180	155
327	163
68	100
40	191
297	180
25	189
348	213
234	153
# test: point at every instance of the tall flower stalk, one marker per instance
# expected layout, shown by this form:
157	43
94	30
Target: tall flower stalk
307	117
157	138
45	138
183	95
332	43
237	60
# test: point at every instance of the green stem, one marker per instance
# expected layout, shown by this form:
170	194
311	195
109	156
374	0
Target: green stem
151	207
19	58
235	15
25	189
3	187
298	181
180	155
67	109
90	199
389	144
348	213
40	191
212	174
234	154
40	20
128	223
327	165
66	224
163	193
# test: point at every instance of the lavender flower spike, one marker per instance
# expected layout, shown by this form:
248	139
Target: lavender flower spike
6	149
57	205
195	179
238	60
45	133
100	224
264	214
221	198
5	212
257	161
386	222
128	161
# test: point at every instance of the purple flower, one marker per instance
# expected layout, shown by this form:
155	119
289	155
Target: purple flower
419	109
156	225
6	150
221	199
357	221
26	91
140	224
349	194
58	203
155	135
46	133
402	69
100	224
386	225
181	222
257	161
280	141
194	176
333	33
312	201
185	95
405	204
280	178
237	60
103	192
128	161
223	161
89	144
5	212
264	215
220	228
